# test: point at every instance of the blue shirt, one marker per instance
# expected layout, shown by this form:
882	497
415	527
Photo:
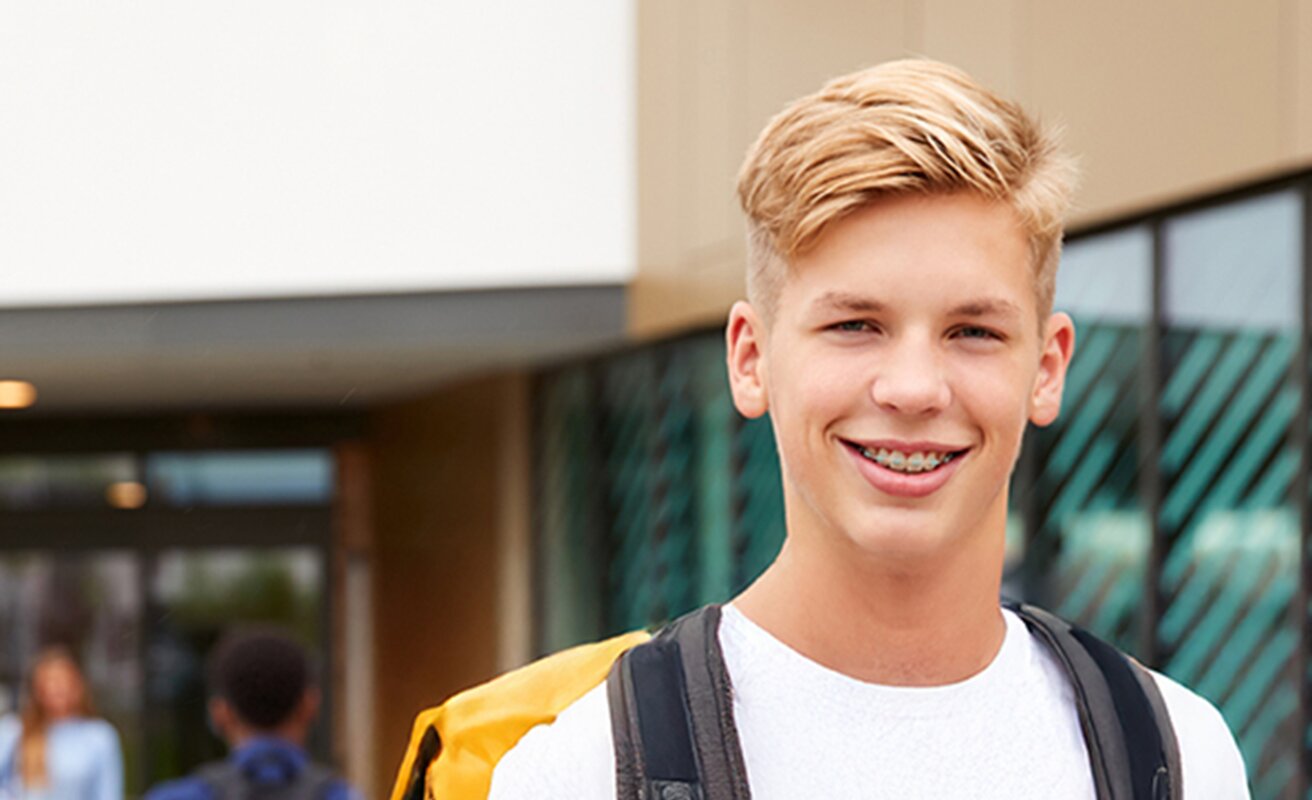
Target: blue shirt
266	762
83	761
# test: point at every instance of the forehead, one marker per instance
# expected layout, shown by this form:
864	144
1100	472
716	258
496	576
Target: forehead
55	670
945	250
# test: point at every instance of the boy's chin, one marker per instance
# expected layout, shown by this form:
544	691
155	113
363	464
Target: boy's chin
916	547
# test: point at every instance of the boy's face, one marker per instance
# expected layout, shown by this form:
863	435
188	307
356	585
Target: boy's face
903	360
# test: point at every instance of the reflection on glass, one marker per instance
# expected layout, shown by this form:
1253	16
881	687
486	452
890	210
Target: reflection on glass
28	482
1107	279
264	477
1231	299
1090	551
1235	266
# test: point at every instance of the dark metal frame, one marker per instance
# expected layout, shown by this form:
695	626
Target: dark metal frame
22	432
1303	499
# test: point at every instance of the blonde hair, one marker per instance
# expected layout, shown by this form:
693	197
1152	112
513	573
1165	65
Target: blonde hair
32	742
904	127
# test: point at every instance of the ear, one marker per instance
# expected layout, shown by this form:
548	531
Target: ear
1058	347
744	340
308	708
222	716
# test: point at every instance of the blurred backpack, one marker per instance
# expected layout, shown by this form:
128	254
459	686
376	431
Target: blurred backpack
671	706
228	781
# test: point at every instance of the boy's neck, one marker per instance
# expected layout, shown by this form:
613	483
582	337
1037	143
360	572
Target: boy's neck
898	627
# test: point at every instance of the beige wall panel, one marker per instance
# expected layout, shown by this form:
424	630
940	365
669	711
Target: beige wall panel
662	45
1160	99
711	73
1299	60
690	113
712	130
793	48
984	38
435	558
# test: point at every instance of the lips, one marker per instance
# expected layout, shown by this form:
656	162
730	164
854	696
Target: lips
906	469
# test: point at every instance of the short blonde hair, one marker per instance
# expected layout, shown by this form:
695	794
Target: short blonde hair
904	127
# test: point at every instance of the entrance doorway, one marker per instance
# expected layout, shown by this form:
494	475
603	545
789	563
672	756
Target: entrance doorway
139	562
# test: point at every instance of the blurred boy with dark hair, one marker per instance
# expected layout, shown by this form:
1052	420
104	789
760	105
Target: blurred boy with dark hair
263	702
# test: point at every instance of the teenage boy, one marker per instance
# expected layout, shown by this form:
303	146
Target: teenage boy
263	703
904	232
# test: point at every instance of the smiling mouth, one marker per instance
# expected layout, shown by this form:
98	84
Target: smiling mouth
906	463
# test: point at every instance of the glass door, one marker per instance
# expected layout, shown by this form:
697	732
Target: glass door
138	563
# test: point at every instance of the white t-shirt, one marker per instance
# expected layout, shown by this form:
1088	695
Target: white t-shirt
1011	731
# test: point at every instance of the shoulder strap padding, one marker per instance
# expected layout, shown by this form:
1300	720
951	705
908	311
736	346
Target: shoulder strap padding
228	782
455	747
672	709
672	717
1131	744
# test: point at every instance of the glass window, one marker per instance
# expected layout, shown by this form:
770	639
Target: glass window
1232	303
1236	265
78	481
1090	549
264	477
1108	277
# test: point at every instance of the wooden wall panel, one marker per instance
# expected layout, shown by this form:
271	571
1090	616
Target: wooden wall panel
437	464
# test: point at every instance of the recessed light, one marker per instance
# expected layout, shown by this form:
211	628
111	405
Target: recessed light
126	494
16	394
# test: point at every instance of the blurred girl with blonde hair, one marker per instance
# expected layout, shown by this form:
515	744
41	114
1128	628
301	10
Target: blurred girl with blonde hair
56	748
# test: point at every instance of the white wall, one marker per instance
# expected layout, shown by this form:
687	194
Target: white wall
173	149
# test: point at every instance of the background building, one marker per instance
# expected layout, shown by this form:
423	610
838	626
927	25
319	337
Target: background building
398	326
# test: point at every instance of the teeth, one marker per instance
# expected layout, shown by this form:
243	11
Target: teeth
907	462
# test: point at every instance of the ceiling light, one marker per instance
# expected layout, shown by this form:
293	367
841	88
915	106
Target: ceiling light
17	394
126	494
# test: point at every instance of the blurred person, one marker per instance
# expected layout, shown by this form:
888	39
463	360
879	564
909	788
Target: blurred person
263	702
56	748
904	231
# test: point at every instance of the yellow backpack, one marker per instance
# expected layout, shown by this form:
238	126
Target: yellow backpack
455	746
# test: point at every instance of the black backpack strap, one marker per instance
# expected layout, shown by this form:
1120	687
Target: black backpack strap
1131	743
226	781
671	708
430	746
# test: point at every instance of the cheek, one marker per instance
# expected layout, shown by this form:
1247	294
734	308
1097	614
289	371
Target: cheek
810	383
998	398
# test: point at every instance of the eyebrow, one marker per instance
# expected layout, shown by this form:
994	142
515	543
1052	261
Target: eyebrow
982	307
987	307
845	301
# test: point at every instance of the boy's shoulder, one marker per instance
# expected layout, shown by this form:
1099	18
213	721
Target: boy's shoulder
574	755
571	757
1209	755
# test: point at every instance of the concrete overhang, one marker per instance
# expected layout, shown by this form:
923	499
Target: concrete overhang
338	353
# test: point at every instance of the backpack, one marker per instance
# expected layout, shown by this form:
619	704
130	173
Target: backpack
672	719
227	781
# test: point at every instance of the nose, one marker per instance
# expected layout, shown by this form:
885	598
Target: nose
910	379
